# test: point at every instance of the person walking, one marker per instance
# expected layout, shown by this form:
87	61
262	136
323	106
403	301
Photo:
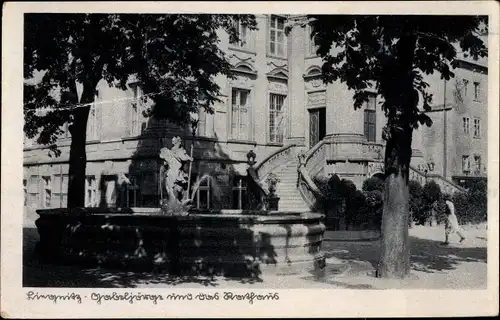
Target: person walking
451	222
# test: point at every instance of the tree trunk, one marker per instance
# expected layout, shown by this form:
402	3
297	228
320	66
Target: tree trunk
395	248
78	152
402	101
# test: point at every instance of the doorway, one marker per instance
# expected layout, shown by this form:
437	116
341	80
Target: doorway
317	125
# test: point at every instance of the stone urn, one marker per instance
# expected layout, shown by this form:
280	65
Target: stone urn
272	199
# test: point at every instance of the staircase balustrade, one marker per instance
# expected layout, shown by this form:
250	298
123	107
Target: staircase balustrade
276	159
315	158
311	163
446	185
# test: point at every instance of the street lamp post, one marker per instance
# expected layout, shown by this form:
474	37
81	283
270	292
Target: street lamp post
194	119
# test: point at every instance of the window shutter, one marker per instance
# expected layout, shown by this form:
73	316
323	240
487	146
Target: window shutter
373	126
365	125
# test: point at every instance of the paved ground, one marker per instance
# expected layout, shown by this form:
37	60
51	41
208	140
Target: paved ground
350	265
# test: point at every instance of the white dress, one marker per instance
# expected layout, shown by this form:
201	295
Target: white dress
451	221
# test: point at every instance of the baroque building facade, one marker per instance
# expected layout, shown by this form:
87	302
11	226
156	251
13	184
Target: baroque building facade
278	107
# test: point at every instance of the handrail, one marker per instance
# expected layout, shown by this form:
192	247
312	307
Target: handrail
437	176
307	179
304	176
311	151
260	163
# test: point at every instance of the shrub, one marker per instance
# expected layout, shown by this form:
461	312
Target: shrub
477	197
416	199
461	203
374	203
373	183
347	188
432	192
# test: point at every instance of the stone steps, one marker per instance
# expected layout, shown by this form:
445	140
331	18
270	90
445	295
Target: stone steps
290	197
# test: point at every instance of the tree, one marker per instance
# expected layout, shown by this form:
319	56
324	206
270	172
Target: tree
174	58
391	54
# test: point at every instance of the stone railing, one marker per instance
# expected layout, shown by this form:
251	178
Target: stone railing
310	164
315	158
308	189
446	185
278	158
374	150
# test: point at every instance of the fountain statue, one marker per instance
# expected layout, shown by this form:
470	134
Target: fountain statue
174	179
111	182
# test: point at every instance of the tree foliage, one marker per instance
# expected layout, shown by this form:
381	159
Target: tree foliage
173	56
177	55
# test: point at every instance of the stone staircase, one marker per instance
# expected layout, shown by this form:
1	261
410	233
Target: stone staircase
290	197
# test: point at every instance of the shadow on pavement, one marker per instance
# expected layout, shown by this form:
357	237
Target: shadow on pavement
426	255
38	274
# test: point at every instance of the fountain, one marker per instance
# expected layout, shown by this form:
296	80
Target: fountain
178	239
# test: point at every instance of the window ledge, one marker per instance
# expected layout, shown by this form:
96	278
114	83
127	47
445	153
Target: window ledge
311	56
235	141
270	55
242	49
202	138
274	144
129	138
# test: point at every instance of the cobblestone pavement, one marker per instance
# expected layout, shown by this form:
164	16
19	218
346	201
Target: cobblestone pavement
350	265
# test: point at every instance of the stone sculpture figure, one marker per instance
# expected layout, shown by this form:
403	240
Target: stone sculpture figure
174	178
111	180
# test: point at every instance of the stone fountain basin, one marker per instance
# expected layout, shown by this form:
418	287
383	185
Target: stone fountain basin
225	242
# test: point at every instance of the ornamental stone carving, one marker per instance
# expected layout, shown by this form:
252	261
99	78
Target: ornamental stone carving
316	98
278	86
241	82
314	84
374	167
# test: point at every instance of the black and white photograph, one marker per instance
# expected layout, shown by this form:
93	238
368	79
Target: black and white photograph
234	155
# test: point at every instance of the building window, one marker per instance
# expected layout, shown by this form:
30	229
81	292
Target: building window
91	192
203	196
277	41
477	164
465	124
370	118
47	191
240	114
477	90
93	124
136	119
312	47
276	117
243	35
132	194
60	190
33	191
477	128
465	164
25	189
205	124
239	193
465	86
